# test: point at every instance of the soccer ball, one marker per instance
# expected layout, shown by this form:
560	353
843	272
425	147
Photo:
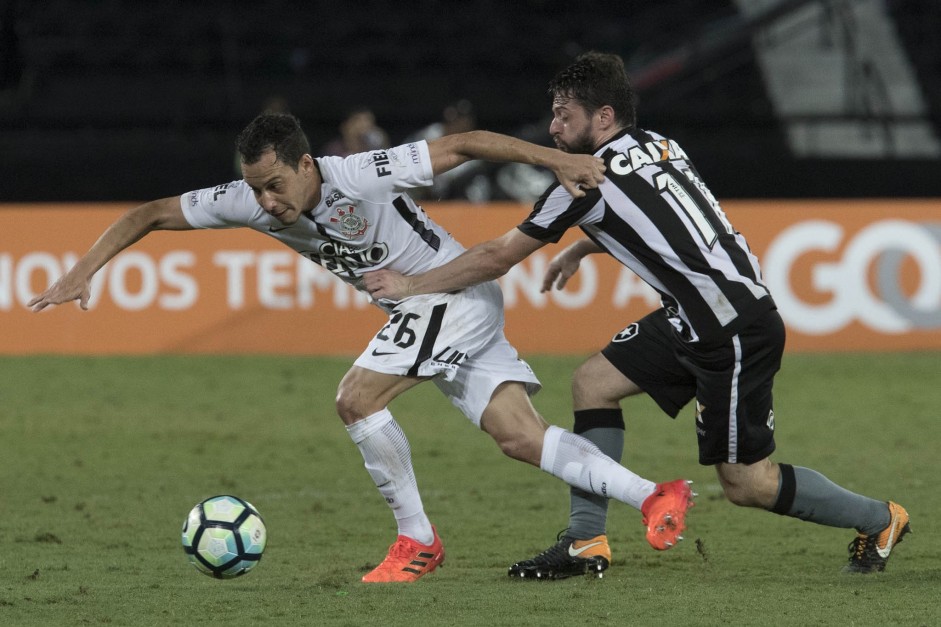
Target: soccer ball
224	536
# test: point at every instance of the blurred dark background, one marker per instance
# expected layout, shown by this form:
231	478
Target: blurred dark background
122	100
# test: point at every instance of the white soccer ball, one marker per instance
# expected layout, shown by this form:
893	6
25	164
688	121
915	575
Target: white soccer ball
224	536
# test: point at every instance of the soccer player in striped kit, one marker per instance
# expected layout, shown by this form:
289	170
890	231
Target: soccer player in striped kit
717	338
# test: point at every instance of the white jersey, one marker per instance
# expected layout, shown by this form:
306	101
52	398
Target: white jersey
364	220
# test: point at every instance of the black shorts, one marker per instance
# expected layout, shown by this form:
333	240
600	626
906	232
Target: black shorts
731	384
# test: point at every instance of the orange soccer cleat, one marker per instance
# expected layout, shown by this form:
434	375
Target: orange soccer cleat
665	513
407	561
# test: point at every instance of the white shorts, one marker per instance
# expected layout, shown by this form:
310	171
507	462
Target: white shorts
455	338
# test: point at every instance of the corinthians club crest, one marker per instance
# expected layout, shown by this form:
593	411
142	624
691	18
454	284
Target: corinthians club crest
351	225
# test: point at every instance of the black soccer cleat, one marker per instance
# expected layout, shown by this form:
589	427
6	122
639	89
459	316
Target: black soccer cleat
869	554
566	558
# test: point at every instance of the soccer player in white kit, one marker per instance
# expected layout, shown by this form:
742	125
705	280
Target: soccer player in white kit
352	215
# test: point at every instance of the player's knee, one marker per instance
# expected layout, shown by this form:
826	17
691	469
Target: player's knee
520	446
747	488
740	495
514	424
348	405
598	383
585	383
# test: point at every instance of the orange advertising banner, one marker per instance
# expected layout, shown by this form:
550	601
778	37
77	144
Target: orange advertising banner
846	275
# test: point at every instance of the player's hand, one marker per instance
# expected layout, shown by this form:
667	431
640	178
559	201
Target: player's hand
560	270
386	284
578	172
62	291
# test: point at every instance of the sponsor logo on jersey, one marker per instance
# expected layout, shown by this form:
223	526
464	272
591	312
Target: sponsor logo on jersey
350	224
380	160
646	154
414	153
332	198
369	256
345	260
220	190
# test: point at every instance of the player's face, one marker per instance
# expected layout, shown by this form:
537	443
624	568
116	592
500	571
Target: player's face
282	192
571	127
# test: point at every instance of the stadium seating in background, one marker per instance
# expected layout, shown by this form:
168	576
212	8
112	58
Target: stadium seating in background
141	100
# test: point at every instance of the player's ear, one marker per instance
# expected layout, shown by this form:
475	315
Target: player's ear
306	164
606	116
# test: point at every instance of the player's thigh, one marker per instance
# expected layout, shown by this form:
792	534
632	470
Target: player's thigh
363	392
514	424
598	384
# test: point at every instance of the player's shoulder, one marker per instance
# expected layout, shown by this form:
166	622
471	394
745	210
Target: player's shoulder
554	191
626	139
356	169
233	192
364	174
232	203
378	163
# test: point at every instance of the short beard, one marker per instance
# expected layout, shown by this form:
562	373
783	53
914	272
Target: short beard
582	145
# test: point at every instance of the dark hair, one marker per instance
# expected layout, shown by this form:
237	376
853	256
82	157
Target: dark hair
596	79
280	132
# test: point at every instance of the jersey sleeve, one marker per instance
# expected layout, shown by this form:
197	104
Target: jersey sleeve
224	206
380	173
556	212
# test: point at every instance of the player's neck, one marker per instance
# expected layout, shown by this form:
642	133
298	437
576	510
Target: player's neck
604	138
316	183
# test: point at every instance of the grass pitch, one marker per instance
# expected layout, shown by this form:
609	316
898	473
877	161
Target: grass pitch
102	458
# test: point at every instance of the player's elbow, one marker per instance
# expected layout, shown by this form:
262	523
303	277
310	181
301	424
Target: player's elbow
494	263
156	215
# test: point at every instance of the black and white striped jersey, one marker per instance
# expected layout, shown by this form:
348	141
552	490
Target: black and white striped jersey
654	214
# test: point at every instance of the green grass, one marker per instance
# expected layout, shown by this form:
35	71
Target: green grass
101	459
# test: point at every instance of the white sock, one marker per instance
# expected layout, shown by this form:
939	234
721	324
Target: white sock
388	460
578	462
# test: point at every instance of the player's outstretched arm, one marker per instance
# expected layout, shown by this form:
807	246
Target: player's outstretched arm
566	263
483	262
130	227
575	172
